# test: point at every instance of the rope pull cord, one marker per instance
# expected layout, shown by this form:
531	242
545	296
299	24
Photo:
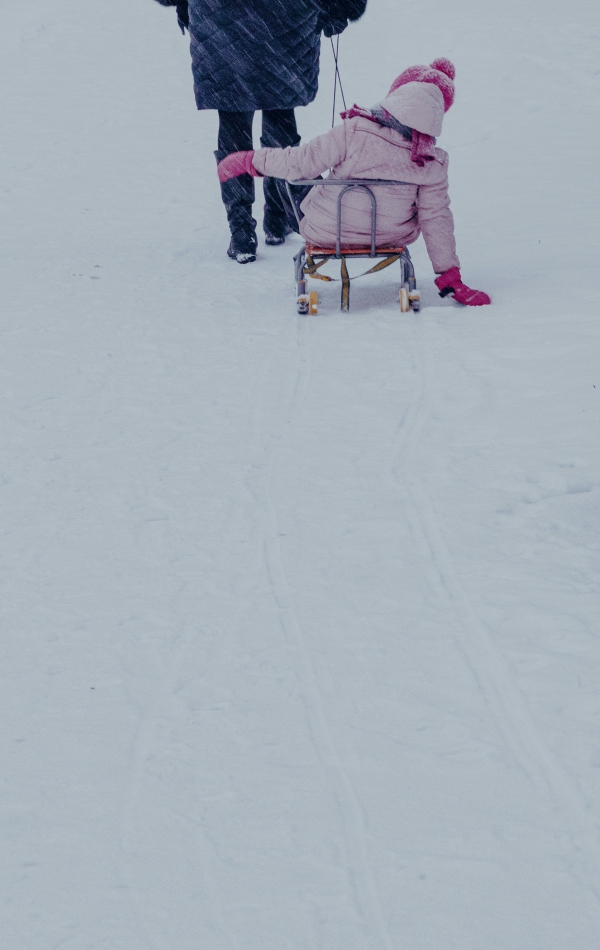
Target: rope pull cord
335	49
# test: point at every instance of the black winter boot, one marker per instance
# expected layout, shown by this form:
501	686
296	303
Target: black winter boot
276	220
238	197
242	247
278	131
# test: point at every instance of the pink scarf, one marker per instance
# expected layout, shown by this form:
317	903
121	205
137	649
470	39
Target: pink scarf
422	145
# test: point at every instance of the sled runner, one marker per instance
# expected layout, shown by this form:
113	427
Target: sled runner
311	258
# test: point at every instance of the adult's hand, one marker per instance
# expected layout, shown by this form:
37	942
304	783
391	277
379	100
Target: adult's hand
335	15
181	6
183	16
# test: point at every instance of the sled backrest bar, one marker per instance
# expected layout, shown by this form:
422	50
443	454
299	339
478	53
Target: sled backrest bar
347	184
354	186
348	181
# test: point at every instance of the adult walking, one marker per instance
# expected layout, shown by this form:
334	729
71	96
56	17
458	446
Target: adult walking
255	55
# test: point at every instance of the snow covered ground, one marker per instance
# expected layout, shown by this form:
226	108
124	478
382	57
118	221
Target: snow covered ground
300	644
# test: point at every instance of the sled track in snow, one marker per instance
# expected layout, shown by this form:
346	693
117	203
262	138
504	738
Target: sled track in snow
578	826
142	750
361	880
143	747
141	753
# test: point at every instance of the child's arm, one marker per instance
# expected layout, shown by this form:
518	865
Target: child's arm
437	228
437	225
304	161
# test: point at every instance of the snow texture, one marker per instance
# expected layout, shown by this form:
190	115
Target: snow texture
300	644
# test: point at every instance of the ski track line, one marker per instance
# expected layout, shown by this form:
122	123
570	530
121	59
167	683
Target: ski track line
361	877
490	669
142	749
62	942
26	558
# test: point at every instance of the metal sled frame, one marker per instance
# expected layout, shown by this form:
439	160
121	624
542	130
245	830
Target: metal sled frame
311	258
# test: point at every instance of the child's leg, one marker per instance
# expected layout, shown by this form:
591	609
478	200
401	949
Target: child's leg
235	135
278	131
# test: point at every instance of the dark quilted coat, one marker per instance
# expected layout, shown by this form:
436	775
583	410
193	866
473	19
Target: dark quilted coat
254	54
259	54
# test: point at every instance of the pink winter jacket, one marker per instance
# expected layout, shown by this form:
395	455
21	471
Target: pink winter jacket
360	148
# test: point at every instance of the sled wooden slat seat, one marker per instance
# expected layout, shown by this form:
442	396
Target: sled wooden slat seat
312	250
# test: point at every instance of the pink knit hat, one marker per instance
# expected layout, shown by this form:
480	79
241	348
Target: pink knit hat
424	113
441	72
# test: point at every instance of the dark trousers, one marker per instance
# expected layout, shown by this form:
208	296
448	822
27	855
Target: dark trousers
235	135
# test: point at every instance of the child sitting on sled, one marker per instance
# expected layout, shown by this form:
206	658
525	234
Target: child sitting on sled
393	140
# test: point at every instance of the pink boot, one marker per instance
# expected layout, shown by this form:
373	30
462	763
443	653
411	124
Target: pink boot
450	282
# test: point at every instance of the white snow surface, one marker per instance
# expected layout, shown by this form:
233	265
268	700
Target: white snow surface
300	642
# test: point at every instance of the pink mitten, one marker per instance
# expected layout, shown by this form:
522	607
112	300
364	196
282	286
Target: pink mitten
450	282
238	163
